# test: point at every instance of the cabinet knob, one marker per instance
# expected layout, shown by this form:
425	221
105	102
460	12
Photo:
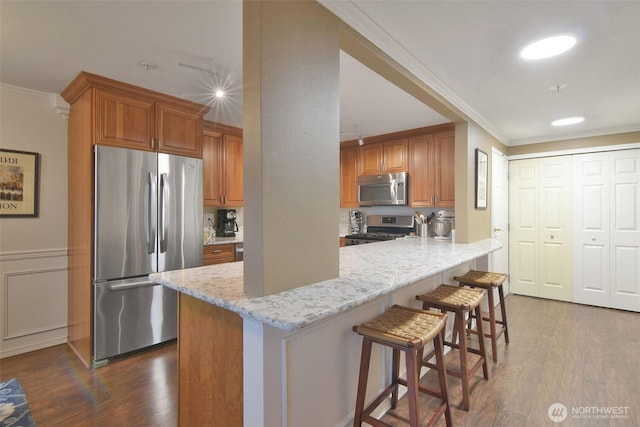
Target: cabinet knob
593	238
552	237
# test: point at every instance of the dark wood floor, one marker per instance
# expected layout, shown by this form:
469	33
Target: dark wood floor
579	356
140	390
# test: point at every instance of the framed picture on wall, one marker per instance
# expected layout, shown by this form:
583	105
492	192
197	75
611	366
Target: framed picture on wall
19	183
482	166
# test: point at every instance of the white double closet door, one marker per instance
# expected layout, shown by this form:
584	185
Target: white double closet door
540	215
607	229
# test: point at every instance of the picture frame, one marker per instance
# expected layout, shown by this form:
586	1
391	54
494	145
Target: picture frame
19	183
482	167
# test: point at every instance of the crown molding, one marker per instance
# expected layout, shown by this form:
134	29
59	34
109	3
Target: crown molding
356	18
60	106
57	103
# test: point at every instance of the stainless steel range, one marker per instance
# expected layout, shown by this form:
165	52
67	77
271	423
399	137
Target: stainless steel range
381	228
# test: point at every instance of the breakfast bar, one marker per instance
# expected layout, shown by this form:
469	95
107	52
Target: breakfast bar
291	358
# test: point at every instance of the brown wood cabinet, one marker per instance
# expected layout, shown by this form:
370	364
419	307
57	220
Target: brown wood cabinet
107	112
388	157
124	121
132	117
219	254
210	365
428	154
223	165
178	131
349	157
432	170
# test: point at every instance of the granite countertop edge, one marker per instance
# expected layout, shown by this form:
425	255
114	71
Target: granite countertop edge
295	309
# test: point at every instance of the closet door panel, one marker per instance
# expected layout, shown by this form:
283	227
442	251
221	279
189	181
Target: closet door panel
625	229
591	229
523	235
555	211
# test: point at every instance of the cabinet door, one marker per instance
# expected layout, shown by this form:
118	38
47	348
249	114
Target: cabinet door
395	156
371	156
444	156
233	170
211	165
348	176
421	173
178	132
124	121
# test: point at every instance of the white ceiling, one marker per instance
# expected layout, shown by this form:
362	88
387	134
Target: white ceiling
465	50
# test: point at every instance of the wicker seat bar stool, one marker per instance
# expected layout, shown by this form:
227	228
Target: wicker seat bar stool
489	281
459	301
409	330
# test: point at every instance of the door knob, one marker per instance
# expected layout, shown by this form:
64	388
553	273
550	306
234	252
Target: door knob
496	230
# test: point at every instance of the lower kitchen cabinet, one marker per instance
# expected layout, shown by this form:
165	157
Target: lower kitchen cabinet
219	254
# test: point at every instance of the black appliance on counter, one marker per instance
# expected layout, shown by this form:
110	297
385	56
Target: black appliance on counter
226	223
381	228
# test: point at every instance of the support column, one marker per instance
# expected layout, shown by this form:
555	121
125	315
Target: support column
291	144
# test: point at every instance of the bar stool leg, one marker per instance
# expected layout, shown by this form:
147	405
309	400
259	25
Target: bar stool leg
459	325
395	373
442	376
503	310
483	351
492	324
365	359
412	385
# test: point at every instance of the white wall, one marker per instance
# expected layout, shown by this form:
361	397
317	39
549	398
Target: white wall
33	251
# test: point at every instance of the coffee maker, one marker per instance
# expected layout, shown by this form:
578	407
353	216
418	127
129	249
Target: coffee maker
227	225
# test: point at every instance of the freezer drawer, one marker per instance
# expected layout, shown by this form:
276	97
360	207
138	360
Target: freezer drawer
132	314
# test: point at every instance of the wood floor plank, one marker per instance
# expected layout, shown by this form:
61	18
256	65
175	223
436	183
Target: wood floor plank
560	352
572	354
139	390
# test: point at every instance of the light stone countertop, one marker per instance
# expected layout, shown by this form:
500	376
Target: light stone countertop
366	273
211	239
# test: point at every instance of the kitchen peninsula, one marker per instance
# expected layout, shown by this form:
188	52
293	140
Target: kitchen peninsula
290	359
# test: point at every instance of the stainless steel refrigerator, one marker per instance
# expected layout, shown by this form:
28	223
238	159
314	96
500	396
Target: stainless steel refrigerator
148	218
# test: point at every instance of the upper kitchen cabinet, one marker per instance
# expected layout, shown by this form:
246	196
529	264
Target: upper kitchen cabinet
123	115
124	121
348	174
223	165
384	157
432	169
178	131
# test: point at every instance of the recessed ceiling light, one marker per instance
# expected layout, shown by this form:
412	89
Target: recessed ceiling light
568	121
548	47
219	93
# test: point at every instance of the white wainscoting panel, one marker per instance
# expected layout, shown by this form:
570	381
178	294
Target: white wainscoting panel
33	300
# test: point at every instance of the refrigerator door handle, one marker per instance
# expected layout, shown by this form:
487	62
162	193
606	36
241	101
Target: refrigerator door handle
164	187
151	217
125	286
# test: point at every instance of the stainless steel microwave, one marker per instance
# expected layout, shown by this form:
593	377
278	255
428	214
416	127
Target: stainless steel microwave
382	190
